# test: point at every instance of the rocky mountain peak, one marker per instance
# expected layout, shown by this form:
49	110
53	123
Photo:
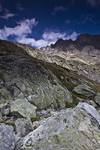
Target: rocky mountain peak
82	41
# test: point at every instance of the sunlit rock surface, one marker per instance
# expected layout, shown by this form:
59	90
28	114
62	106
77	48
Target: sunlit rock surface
77	128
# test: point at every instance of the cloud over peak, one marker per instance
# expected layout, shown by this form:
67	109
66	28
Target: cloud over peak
53	36
22	33
47	39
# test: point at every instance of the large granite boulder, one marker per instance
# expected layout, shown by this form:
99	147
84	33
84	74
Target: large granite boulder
77	128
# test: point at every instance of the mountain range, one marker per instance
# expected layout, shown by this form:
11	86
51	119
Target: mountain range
81	41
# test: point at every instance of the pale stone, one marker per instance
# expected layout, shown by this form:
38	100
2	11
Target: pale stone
24	108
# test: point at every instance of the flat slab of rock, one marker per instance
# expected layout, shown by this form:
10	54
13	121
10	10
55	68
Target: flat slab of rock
24	108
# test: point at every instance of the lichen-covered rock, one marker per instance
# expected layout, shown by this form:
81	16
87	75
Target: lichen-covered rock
4	96
49	94
7	137
23	127
77	128
24	108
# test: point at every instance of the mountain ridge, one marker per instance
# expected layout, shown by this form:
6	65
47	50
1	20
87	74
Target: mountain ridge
81	41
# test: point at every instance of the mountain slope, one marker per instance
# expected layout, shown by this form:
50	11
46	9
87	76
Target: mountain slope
36	84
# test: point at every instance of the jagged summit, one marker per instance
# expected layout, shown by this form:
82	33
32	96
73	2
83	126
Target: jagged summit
82	41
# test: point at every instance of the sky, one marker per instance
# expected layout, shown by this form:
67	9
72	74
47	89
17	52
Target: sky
42	22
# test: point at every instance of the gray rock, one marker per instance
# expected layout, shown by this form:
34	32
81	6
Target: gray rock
7	137
23	127
5	109
69	129
97	99
24	108
84	90
4	96
90	110
46	95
